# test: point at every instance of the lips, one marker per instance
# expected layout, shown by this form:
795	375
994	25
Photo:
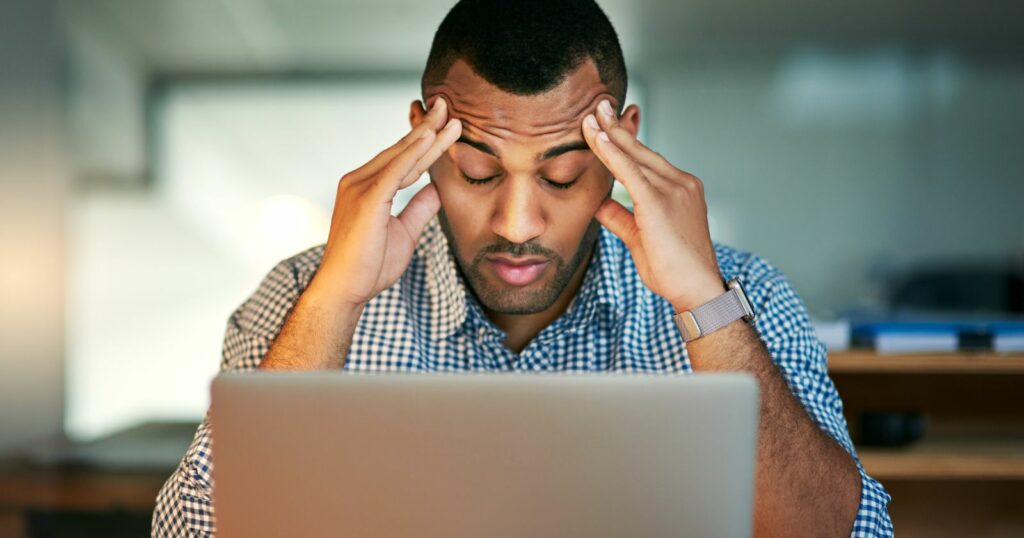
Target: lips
517	271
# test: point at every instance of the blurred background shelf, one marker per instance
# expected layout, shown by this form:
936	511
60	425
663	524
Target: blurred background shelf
965	476
948	458
952	363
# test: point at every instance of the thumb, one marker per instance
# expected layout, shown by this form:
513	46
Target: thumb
420	209
618	220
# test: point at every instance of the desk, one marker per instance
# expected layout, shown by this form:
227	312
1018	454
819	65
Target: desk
70	495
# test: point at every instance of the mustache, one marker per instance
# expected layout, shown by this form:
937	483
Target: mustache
516	249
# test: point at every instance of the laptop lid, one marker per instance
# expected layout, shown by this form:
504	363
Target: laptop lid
497	455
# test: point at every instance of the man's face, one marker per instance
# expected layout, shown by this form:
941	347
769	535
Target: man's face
519	190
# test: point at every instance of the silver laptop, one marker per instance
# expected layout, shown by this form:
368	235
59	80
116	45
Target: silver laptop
483	455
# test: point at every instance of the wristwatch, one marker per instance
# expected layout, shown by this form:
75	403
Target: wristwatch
716	313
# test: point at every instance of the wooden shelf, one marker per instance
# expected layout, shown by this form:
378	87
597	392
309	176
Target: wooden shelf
82	490
966	477
948	459
853	362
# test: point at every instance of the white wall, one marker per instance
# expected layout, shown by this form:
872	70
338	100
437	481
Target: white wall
246	177
33	182
838	165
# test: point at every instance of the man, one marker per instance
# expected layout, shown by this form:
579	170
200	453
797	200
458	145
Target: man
514	258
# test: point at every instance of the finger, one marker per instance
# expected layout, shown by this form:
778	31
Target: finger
619	221
435	119
444	140
420	209
625	140
621	166
387	180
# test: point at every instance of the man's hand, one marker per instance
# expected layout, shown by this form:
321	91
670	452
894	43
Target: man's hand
667	232
368	248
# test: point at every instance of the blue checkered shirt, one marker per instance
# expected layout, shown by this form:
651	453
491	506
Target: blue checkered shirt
427	321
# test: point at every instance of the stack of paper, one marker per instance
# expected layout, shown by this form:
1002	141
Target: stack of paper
908	335
915	337
834	334
1008	337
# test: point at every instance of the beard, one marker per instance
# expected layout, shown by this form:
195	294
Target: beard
511	300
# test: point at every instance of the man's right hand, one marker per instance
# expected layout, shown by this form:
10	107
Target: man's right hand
368	249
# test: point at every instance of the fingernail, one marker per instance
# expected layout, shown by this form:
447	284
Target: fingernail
603	136
606	108
591	122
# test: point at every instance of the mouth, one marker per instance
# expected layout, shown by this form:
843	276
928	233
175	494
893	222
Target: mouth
517	271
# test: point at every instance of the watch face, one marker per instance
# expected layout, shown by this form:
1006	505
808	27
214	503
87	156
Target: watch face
747	307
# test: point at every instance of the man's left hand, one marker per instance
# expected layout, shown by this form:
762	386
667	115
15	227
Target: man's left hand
667	232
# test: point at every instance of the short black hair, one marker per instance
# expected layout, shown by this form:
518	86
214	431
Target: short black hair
527	47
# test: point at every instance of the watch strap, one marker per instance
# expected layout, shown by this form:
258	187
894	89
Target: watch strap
713	315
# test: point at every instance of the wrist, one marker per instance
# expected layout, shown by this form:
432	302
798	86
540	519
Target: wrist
699	295
329	298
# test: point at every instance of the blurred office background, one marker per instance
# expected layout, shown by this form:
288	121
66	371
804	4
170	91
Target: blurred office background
158	157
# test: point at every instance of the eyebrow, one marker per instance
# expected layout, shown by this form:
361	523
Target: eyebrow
579	145
478	145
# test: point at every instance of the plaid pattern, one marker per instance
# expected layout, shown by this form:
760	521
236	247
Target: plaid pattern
428	322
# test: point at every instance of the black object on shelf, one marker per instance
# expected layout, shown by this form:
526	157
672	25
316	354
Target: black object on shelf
891	428
981	287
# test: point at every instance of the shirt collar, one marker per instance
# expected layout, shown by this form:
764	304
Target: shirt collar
612	258
435	289
442	305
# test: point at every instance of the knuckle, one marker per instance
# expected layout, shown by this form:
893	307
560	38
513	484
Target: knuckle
343	187
691	182
676	195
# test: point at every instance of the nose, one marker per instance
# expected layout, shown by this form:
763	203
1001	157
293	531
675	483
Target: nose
518	216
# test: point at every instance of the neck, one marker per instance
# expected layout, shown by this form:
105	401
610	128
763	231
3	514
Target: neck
521	329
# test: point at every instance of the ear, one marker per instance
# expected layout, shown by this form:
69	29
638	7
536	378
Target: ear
416	113
630	119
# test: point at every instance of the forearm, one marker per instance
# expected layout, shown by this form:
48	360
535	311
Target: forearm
806	484
316	336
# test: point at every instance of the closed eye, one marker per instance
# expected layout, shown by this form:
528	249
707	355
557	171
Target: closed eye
477	181
552	183
562	184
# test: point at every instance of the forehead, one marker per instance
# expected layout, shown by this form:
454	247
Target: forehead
493	115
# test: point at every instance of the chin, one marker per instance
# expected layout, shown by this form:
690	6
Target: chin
514	300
